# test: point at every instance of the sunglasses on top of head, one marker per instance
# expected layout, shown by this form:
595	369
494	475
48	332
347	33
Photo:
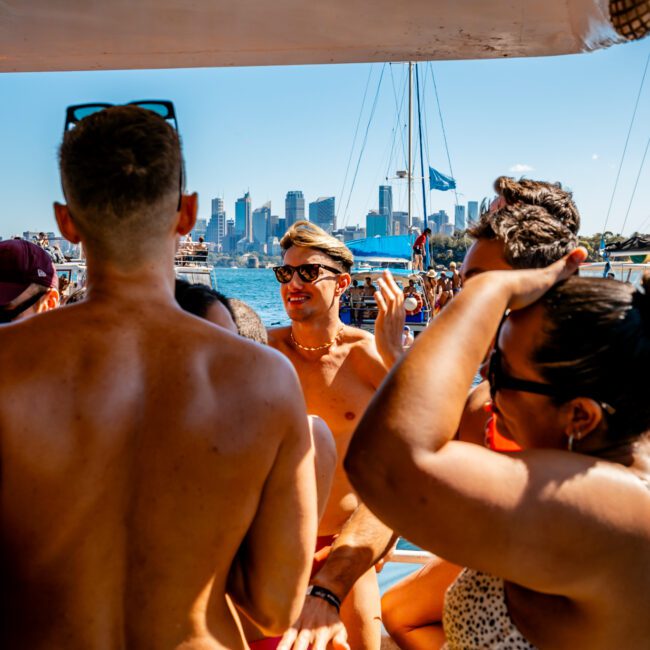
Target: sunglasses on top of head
306	272
74	114
162	107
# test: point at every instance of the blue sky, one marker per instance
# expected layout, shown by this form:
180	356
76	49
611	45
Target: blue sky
274	129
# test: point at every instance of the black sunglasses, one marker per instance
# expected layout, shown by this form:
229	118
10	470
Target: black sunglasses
499	379
162	107
7	315
306	272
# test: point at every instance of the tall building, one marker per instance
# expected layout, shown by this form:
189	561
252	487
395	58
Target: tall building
294	206
216	229
400	223
376	224
261	220
459	218
229	240
281	227
472	212
322	213
386	203
273	225
243	222
437	221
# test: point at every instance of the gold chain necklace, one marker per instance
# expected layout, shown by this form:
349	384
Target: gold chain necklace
316	348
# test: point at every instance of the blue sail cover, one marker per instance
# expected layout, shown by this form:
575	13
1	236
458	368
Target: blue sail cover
438	181
392	246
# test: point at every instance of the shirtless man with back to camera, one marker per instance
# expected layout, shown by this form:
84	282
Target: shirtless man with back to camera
149	478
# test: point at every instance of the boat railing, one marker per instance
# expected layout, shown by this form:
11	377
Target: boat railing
192	253
410	557
363	310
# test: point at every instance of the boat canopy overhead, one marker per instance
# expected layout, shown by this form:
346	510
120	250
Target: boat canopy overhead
42	35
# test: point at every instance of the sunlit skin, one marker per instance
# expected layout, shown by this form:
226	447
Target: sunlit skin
139	453
568	533
338	384
218	314
531	420
50	300
483	255
421	629
349	387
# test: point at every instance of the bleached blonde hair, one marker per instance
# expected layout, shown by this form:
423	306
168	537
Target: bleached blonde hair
305	234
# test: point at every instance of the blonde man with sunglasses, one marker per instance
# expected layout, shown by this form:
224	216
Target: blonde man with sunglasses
340	368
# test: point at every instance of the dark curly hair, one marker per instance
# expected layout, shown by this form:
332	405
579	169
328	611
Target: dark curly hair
538	224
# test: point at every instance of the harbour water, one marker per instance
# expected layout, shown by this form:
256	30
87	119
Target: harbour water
258	288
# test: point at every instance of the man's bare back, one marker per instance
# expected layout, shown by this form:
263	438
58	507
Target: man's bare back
156	469
127	488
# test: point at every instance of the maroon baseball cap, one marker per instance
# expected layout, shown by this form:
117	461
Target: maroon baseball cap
21	264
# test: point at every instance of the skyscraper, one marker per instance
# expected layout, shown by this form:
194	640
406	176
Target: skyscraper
216	229
376	224
386	201
261	219
294	206
322	212
243	223
438	220
459	218
472	212
400	223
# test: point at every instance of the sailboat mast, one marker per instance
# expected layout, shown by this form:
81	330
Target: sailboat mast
410	160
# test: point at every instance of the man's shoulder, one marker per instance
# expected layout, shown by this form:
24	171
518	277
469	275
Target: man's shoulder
279	336
359	341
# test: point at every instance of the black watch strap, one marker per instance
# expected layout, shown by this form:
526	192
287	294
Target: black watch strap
325	594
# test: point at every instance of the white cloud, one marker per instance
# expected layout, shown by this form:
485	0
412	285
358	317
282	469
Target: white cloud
521	168
595	156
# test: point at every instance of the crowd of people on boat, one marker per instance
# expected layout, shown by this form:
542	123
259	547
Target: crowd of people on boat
175	476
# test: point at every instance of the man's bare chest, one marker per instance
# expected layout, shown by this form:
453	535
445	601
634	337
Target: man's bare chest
336	391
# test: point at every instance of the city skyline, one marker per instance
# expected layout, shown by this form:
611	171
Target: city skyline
558	119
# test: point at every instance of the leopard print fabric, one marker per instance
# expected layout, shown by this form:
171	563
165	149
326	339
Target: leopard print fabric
476	616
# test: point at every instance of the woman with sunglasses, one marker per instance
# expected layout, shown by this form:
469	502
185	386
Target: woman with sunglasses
530	224
555	538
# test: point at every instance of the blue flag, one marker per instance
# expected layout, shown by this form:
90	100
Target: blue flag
438	181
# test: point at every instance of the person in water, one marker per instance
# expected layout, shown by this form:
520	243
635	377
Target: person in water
339	368
530	224
158	480
555	538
